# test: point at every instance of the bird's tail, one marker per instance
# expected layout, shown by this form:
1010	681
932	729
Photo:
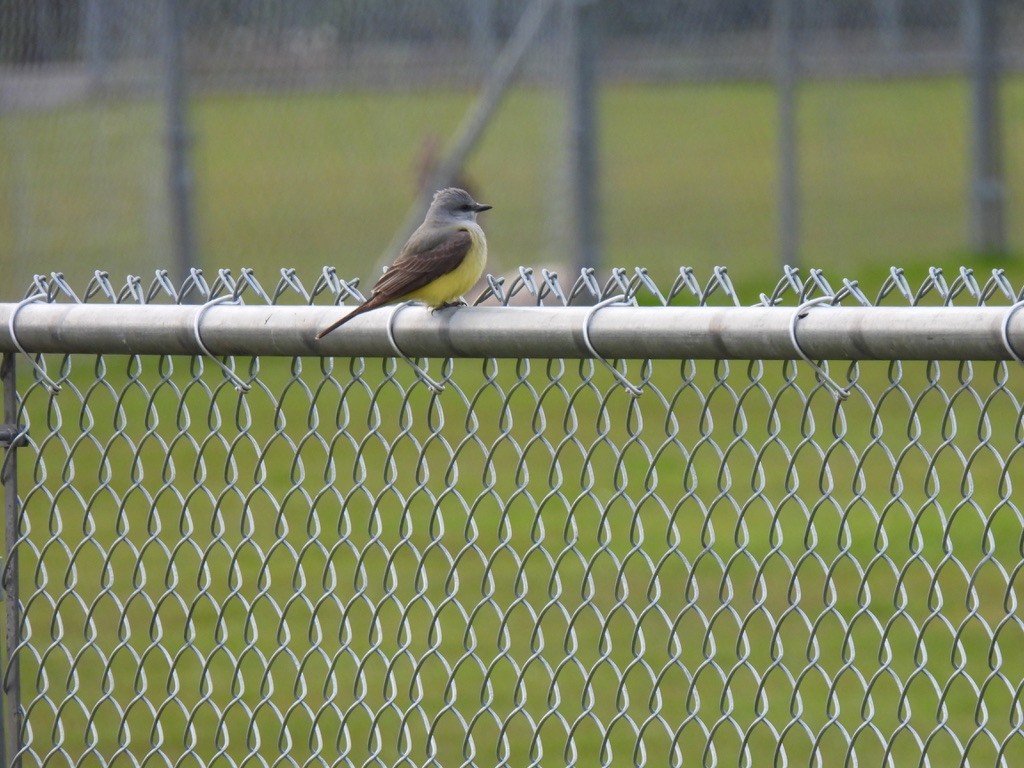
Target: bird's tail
372	303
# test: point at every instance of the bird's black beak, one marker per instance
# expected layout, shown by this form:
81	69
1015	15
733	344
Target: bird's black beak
480	207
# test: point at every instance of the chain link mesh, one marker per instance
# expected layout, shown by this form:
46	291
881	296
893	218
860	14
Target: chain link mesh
341	567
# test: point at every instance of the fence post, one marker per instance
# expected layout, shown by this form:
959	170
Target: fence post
11	680
987	225
786	74
178	138
582	28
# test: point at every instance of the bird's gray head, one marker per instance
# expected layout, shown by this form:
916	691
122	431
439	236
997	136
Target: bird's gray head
454	203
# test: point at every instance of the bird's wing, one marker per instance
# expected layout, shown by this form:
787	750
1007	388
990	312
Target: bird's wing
414	269
421	261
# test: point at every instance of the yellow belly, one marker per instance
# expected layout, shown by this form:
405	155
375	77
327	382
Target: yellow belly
453	285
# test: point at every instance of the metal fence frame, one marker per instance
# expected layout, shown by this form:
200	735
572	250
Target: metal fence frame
801	320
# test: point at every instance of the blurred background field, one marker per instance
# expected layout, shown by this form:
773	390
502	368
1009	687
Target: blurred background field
303	131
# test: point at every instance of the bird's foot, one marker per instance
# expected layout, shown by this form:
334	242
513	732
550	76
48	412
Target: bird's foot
448	305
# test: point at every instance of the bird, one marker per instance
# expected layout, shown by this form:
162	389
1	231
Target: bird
442	259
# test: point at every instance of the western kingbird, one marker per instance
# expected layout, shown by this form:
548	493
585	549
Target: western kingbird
442	260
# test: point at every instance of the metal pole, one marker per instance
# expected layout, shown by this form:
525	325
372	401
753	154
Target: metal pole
987	225
178	139
786	76
9	574
583	30
530	25
665	333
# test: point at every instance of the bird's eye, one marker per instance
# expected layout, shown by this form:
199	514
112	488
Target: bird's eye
465	207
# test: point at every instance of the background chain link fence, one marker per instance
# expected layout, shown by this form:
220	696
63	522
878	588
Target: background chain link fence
341	567
137	133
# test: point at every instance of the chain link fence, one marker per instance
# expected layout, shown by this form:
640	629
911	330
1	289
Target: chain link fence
300	560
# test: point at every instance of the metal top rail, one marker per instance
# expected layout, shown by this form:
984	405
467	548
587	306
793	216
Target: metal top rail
920	333
529	315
